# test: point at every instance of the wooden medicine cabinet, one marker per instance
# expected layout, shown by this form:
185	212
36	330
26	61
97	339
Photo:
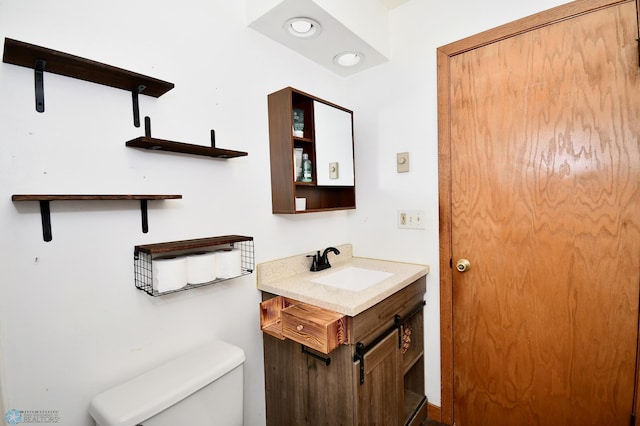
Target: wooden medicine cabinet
323	131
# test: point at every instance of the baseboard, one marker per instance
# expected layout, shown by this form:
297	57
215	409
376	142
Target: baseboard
434	412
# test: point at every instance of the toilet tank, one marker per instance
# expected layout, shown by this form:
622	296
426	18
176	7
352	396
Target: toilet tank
203	387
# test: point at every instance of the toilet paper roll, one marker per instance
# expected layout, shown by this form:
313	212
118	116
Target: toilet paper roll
169	273
228	263
201	267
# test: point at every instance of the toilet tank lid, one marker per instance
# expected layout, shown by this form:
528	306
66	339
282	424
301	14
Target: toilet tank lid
148	394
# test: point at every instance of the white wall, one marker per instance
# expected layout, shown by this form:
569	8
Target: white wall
72	323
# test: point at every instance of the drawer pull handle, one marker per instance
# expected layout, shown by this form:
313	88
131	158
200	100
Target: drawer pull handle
299	327
326	361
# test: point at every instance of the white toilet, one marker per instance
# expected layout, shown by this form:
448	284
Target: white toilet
201	388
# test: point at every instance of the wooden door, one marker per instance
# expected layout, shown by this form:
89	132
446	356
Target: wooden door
540	167
379	396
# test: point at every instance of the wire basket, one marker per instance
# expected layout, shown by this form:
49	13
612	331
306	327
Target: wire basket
144	255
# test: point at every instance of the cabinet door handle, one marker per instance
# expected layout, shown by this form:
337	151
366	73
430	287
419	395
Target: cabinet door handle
359	356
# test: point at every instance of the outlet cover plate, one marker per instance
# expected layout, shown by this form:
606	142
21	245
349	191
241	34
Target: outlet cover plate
411	219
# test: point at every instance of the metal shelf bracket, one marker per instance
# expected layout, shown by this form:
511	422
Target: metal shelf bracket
45	214
136	104
38	71
145	216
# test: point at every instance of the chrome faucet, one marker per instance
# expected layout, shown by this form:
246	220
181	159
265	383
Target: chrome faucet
321	262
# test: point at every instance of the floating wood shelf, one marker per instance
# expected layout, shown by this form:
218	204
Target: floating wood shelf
185	148
27	55
191	244
45	211
42	59
70	197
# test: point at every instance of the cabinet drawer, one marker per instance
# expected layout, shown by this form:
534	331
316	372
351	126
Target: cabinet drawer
314	327
271	315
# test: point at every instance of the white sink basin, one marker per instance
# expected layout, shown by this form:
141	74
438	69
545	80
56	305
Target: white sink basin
352	278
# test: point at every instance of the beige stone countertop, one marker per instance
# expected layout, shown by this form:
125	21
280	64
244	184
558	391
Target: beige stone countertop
290	277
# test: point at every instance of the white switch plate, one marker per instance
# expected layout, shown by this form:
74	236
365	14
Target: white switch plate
402	162
411	219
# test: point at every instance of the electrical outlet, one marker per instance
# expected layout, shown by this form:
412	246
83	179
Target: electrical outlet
411	219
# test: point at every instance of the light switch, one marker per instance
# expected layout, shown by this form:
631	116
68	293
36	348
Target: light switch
333	170
402	160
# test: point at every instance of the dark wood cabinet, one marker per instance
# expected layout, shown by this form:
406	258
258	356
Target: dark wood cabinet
321	194
376	378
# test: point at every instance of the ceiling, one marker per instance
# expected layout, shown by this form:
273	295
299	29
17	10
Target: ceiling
345	26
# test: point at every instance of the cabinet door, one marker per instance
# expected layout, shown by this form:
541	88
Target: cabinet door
334	145
379	397
302	390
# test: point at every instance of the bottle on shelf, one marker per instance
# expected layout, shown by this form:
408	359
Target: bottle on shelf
298	122
306	168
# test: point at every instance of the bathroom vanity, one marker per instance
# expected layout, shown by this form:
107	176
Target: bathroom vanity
343	346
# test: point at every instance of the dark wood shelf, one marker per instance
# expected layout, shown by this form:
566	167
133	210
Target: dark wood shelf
305	140
27	55
190	244
413	405
155	144
45	211
68	197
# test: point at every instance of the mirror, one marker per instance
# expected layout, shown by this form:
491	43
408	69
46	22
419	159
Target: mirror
334	145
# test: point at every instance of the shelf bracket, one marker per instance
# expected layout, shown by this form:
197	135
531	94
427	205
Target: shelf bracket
38	71
45	214
147	127
45	200
136	104
213	138
145	216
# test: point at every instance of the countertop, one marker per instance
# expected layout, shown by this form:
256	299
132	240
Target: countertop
290	277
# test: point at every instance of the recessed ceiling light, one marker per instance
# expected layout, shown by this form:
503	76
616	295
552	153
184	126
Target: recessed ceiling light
303	27
348	59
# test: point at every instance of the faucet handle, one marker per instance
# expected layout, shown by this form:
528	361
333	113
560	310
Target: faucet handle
314	261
